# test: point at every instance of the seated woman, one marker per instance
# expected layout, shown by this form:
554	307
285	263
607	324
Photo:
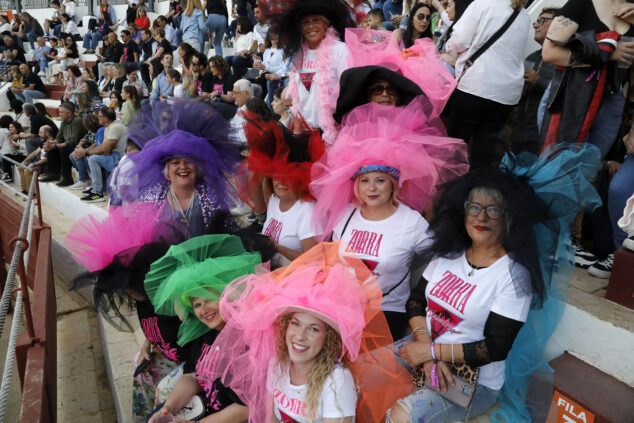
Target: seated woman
292	356
188	282
66	56
117	252
418	26
371	187
281	106
223	80
491	234
74	81
275	66
245	46
380	73
182	168
17	150
277	174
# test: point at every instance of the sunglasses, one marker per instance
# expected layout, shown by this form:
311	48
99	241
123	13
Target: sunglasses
378	89
474	209
423	17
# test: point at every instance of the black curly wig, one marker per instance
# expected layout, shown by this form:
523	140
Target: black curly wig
523	208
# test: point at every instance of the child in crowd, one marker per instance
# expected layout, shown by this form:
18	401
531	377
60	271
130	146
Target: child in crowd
374	20
173	77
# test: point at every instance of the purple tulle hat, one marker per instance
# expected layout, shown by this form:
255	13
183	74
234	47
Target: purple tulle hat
185	129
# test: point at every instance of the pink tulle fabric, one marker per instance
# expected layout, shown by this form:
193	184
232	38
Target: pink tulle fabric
419	63
329	283
391	136
95	241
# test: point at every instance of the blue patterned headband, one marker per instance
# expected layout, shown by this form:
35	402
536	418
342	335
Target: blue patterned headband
392	171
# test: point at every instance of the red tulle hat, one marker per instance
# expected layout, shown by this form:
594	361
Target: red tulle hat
274	152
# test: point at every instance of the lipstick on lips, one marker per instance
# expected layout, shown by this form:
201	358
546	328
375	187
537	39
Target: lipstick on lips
481	228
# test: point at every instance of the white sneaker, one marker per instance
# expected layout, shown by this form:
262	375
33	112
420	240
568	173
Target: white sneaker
80	185
602	269
629	243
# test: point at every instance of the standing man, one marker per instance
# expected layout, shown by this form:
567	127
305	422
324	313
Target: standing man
525	133
70	132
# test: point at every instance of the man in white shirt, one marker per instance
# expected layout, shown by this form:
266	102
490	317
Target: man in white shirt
242	92
260	30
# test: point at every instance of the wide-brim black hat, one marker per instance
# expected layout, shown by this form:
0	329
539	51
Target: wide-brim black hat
354	84
284	17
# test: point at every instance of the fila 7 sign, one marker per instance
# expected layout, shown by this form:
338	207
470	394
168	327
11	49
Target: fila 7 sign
568	411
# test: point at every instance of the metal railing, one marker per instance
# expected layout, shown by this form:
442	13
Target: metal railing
35	350
8	5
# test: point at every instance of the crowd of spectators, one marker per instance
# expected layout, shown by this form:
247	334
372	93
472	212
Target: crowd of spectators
499	103
503	102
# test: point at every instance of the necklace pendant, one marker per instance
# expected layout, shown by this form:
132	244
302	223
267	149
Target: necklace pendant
471	272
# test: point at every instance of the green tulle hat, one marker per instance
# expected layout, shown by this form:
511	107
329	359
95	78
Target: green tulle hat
200	267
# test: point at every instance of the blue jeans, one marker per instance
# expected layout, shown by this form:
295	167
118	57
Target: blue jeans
621	188
178	38
92	40
217	25
607	122
27	96
428	406
271	86
82	167
96	164
42	62
392	8
32	37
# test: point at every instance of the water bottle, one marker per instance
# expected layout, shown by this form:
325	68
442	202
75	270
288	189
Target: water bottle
165	417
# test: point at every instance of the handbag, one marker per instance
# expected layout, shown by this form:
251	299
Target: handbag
489	42
465	378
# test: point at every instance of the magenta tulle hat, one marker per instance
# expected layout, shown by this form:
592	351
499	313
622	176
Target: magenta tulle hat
419	63
372	137
326	282
95	241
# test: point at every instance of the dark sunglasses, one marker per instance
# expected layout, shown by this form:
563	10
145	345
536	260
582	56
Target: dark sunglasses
378	89
423	17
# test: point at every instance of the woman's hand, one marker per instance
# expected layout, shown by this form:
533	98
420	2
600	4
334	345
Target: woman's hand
415	353
624	52
273	77
158	414
396	20
444	376
628	140
144	352
625	11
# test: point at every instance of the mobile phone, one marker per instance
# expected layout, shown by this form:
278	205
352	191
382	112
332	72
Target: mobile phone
143	365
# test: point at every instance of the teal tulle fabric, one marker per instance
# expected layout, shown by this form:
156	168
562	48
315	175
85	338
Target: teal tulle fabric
562	177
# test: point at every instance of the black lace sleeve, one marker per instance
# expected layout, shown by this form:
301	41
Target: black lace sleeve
417	302
499	334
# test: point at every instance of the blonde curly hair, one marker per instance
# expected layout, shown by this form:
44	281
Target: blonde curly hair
324	366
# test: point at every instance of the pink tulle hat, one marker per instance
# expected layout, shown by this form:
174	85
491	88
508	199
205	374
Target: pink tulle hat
94	241
327	283
419	63
371	137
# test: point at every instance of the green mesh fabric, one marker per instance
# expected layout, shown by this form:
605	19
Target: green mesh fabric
200	267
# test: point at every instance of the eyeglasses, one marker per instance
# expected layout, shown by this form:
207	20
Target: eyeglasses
474	209
378	89
541	21
423	17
